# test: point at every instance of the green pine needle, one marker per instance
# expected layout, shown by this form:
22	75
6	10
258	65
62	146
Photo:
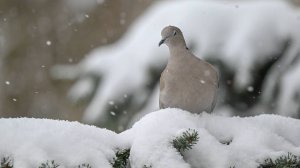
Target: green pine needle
289	161
147	166
49	164
84	165
121	159
6	162
186	140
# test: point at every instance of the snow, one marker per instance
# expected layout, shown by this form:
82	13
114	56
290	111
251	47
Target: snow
289	92
81	90
31	142
253	139
48	42
242	36
250	141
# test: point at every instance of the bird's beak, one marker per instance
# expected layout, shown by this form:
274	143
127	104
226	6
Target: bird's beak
161	42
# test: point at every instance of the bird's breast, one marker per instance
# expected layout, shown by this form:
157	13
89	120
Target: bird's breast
186	90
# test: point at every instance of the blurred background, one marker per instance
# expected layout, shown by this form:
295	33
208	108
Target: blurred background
98	61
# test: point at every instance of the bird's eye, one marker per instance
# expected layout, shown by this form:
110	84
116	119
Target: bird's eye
174	33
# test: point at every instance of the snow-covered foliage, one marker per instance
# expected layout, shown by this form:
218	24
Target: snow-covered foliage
287	79
222	141
31	142
242	37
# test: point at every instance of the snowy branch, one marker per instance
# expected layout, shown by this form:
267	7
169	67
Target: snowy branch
251	141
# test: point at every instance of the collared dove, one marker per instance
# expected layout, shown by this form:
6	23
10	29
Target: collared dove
187	82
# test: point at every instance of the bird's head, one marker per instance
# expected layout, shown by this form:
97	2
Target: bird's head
172	36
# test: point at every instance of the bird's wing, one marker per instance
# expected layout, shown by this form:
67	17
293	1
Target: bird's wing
203	67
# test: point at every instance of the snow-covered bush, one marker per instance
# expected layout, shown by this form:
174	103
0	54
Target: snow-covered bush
243	38
289	160
287	81
165	138
32	142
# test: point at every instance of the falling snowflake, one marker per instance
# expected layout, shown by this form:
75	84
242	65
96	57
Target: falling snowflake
48	42
250	89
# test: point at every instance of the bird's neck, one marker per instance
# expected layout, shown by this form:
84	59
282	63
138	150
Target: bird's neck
177	51
176	43
177	59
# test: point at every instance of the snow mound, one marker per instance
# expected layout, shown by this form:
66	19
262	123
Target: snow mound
223	141
31	142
